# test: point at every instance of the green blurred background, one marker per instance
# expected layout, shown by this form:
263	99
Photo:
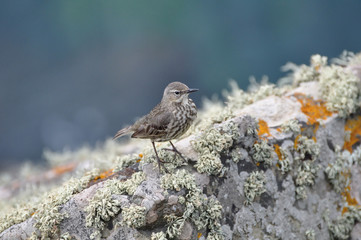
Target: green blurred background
74	72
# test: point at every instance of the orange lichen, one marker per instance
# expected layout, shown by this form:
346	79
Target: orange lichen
141	156
263	128
59	170
313	109
278	152
296	141
354	127
258	164
199	235
347	195
344	209
104	174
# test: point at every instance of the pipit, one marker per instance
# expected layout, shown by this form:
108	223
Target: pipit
169	120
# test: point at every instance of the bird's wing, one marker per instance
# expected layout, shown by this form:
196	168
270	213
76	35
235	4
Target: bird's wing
153	127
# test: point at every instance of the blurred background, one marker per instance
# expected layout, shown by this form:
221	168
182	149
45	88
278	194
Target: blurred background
75	72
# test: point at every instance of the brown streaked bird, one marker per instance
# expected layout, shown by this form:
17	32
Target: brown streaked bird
170	119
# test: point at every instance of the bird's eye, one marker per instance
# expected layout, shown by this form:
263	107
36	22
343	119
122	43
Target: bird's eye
177	93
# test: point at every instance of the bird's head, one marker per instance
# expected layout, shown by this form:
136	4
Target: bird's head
177	92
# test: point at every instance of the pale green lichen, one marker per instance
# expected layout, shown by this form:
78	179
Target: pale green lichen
338	172
126	161
158	236
204	212
304	73
238	154
47	215
284	163
342	228
339	89
262	153
102	207
307	149
45	208
254	186
339	85
310	234
306	175
291	126
210	146
133	216
237	98
65	236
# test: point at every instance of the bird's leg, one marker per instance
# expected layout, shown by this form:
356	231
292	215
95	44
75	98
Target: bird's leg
173	149
158	159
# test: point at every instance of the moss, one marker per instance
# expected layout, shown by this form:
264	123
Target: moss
254	186
262	153
133	216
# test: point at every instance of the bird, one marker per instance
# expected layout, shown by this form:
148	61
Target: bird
168	120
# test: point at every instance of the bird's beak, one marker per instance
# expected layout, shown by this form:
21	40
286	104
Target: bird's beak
192	90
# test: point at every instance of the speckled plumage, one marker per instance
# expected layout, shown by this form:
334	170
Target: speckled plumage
170	119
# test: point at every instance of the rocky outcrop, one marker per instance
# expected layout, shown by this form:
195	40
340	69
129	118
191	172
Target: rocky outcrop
275	163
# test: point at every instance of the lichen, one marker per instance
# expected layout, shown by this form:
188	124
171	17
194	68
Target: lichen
262	153
133	216
315	110
306	148
339	85
342	228
126	161
159	236
338	171
306	175
203	211
339	89
283	163
65	236
353	129
102	207
291	126
304	73
210	146
310	234
238	154
47	214
254	186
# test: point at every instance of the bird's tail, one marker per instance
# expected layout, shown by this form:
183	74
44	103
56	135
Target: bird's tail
122	132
